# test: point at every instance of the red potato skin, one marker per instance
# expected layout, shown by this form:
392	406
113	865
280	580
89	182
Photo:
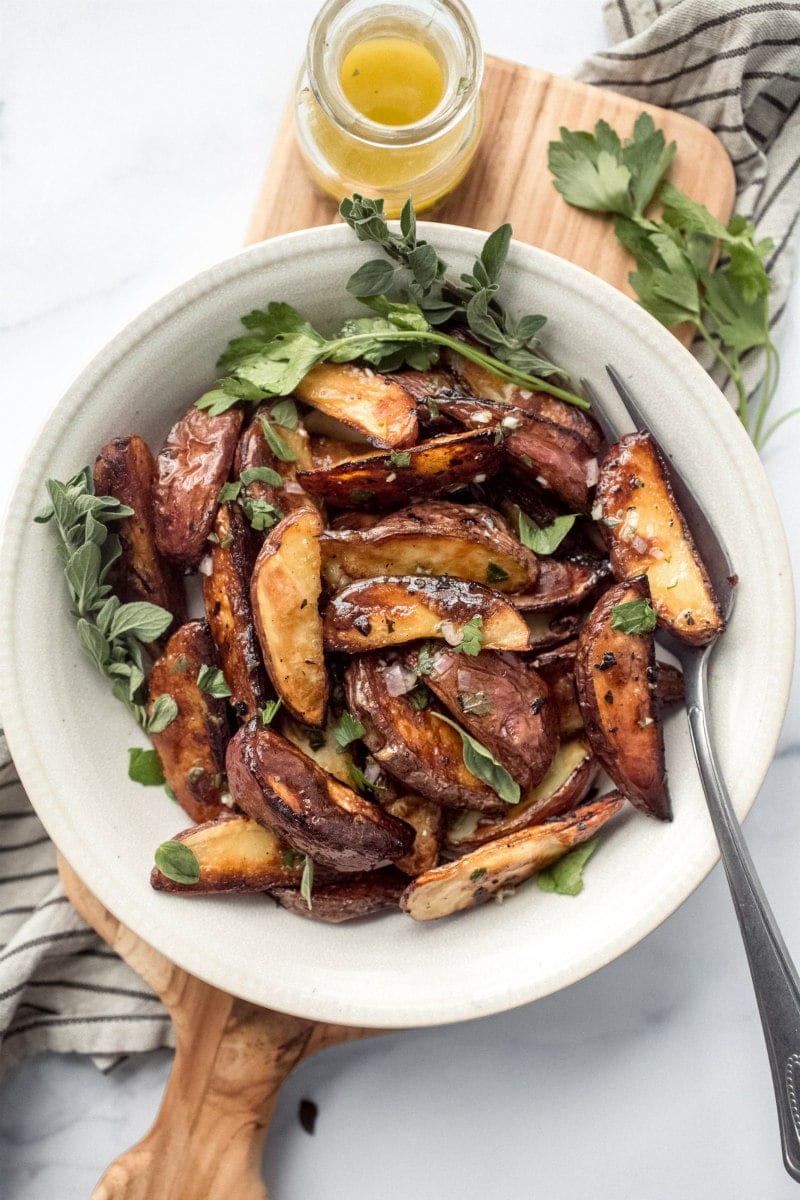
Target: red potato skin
275	783
521	730
563	583
340	900
614	678
192	466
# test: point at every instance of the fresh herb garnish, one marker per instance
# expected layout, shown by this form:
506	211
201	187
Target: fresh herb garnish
261	475
479	704
212	681
472	637
495	574
483	765
400	458
547	540
477	874
358	778
307	880
635	616
291	859
348	730
420	696
276	442
178	862
425	660
112	634
144	766
674	280
269	710
259	513
566	875
163	712
284	413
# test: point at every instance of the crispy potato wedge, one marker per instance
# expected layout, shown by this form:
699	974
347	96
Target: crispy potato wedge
235	854
487	385
504	703
433	468
321	746
126	469
284	595
375	405
648	535
463	541
374	613
560	678
548	629
503	863
192	466
572	773
192	747
427	821
337	900
423	385
328	451
613	674
226	594
275	783
253	450
563	583
423	753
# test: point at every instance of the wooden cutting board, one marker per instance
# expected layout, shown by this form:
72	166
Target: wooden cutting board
232	1057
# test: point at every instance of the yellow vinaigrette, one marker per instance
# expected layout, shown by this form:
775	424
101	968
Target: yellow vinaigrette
392	80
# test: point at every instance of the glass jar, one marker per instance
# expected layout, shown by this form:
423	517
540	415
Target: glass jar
431	44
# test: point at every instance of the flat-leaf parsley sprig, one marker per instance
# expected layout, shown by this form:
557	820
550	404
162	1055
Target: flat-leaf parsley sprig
112	633
675	279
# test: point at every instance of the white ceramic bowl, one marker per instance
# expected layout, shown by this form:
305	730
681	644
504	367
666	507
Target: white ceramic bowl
70	738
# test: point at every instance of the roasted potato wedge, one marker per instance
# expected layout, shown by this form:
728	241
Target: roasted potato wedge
431	468
253	450
321	746
423	753
427	821
276	784
235	854
374	613
192	747
375	405
503	863
563	583
648	535
337	900
126	469
328	451
284	595
463	541
547	629
504	703
192	466
226	594
613	678
560	678
567	783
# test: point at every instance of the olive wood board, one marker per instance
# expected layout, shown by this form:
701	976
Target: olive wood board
231	1056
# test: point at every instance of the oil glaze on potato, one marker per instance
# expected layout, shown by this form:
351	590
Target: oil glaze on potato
374	613
320	745
648	535
253	450
275	783
614	677
126	469
564	583
424	754
504	703
427	821
235	854
337	900
503	863
192	747
463	541
192	466
432	468
374	405
284	595
226	595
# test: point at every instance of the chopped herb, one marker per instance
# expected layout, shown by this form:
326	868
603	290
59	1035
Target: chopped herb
425	660
477	874
479	704
277	444
163	712
400	458
566	875
307	880
260	475
495	574
229	491
348	730
484	766
291	860
433	408
212	681
547	540
636	616
178	862
472	638
180	666
420	696
259	513
358	778
144	766
269	710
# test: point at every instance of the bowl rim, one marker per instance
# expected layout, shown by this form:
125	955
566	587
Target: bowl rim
31	765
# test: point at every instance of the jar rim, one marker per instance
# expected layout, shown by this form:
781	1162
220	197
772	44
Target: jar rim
447	113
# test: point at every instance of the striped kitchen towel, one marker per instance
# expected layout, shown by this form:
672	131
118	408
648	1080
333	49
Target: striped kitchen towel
736	67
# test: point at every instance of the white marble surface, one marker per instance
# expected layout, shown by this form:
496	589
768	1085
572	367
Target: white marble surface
134	133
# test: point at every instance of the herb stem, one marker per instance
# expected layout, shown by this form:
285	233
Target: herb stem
732	367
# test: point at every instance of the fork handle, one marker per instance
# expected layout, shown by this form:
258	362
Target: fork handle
775	979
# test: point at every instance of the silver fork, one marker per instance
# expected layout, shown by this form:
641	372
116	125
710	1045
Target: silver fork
775	980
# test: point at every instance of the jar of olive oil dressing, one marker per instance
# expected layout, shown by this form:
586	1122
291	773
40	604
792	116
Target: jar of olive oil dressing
389	101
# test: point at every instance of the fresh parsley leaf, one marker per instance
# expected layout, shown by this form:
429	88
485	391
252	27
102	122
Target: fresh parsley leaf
144	766
495	574
472	637
566	875
229	491
348	730
400	458
212	681
284	413
358	778
260	513
178	862
163	713
547	540
269	711
484	766
307	880
260	475
635	616
277	444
